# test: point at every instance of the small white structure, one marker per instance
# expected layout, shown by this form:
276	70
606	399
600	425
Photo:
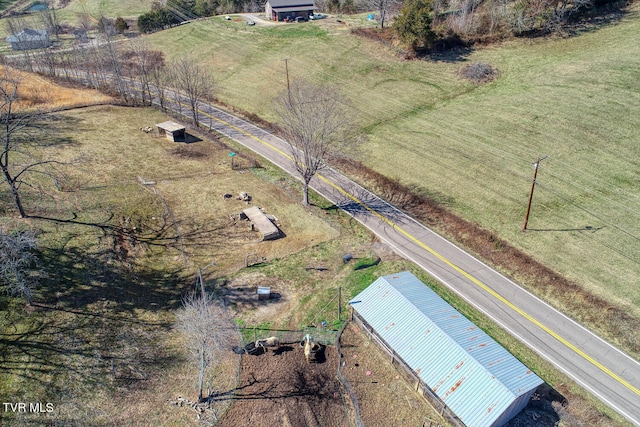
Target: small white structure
264	292
172	130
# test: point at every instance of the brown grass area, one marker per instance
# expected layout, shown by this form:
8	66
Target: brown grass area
380	387
36	92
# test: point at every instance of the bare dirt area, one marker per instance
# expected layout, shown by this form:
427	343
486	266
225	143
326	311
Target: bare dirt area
242	299
278	388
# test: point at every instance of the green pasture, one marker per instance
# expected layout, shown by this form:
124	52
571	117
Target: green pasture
78	11
573	99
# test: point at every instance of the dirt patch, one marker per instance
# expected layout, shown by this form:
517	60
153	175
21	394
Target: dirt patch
241	296
189	152
278	388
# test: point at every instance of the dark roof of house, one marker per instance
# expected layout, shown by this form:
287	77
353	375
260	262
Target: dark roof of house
305	4
293	9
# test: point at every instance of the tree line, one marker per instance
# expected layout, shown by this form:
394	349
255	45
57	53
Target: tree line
174	12
427	24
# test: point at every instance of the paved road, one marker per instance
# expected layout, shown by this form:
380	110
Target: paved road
599	367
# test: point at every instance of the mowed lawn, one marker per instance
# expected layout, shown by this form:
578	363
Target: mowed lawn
574	99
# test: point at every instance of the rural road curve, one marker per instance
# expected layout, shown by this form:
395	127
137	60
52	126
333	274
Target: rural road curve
599	367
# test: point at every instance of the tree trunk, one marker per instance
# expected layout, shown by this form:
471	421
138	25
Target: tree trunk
14	192
201	373
305	193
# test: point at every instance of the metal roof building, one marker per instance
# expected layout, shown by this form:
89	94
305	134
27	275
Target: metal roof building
29	39
279	10
478	379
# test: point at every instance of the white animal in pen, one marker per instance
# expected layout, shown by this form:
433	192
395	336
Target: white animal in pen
268	342
309	344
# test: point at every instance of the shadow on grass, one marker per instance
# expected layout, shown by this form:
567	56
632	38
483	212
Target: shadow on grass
587	228
101	325
77	280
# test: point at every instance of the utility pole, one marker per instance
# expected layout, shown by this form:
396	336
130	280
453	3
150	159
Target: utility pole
536	165
286	67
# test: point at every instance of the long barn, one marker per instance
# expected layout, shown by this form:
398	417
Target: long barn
476	378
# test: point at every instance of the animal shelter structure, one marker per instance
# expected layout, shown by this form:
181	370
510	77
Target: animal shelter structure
453	361
264	225
171	130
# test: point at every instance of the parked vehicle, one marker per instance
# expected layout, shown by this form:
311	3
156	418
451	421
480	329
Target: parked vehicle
301	19
317	16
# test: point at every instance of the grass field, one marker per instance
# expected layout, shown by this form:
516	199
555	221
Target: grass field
100	343
77	11
472	147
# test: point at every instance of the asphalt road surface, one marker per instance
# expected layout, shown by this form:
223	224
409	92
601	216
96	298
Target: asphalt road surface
599	367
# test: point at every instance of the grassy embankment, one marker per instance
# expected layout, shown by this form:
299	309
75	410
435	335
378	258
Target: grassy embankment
471	147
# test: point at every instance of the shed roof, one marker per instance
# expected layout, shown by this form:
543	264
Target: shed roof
170	126
264	224
293	9
275	4
475	376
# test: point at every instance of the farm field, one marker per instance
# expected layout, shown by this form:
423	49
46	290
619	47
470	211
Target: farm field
471	147
100	341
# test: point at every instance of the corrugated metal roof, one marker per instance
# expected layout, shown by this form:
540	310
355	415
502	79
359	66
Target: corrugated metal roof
474	375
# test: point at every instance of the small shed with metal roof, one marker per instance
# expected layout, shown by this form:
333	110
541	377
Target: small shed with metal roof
476	378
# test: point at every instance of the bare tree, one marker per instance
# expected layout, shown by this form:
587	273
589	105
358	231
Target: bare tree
114	65
207	330
20	157
384	7
17	259
49	19
141	62
194	81
315	120
12	124
160	78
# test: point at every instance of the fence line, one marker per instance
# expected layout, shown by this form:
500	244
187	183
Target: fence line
323	336
409	375
351	393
